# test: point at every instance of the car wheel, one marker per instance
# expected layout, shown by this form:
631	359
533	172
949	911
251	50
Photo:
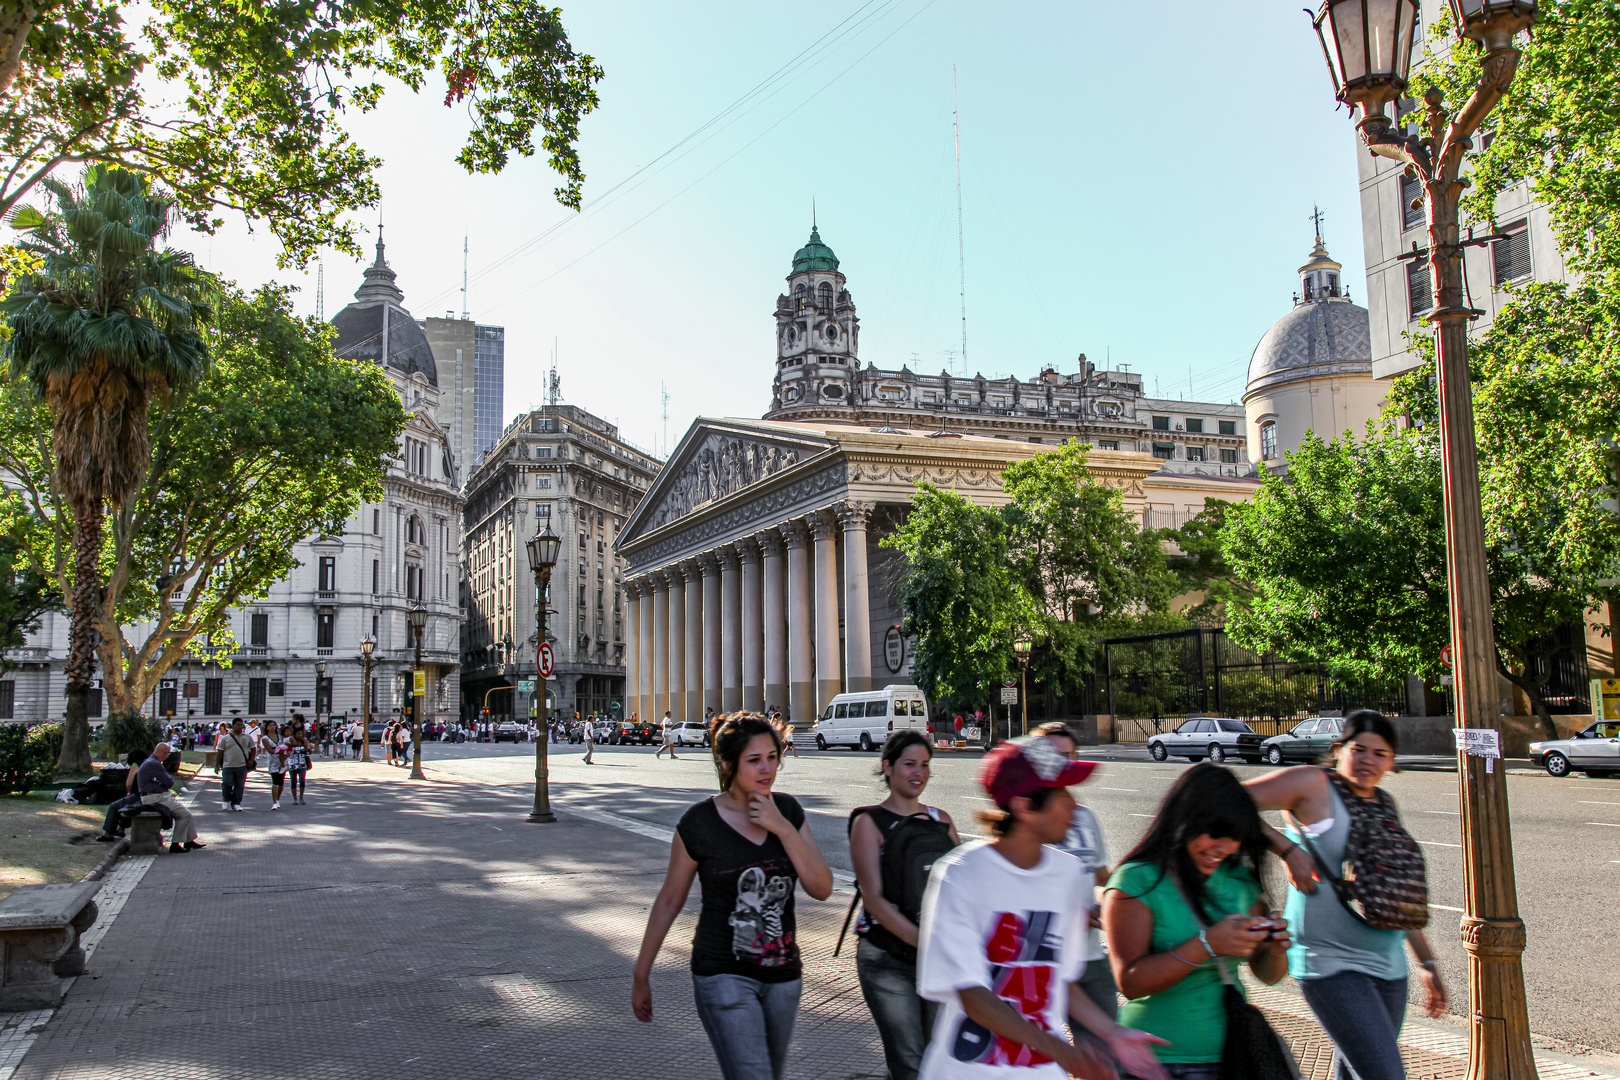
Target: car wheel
1157	751
1217	753
866	742
821	742
1274	755
1557	764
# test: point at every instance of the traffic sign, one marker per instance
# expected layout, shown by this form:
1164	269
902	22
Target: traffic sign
1009	682
1009	695
613	707
545	660
525	686
1445	654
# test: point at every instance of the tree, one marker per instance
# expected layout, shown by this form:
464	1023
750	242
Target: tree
280	442
240	106
106	325
25	595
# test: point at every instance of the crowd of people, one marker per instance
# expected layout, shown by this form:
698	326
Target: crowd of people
974	958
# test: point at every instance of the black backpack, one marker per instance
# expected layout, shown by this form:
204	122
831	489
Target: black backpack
911	846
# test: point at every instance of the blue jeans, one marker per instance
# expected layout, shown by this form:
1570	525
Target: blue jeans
749	1023
1362	1015
904	1020
232	779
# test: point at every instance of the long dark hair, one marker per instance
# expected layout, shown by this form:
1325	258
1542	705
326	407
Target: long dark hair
1369	722
1206	800
729	736
896	745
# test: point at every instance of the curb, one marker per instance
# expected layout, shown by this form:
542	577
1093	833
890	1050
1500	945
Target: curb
119	850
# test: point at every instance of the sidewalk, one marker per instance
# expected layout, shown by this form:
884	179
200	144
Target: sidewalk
394	929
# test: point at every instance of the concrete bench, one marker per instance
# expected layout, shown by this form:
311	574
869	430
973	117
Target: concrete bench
39	942
146	831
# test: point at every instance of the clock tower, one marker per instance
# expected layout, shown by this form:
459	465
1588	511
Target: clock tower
817	334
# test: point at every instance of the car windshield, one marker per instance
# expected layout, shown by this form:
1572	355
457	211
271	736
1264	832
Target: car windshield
1236	725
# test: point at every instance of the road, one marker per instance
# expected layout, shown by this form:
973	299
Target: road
1566	843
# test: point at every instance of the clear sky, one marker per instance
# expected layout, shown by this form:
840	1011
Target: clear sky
1137	182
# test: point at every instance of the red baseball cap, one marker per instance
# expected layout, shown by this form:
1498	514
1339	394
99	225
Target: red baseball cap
1018	767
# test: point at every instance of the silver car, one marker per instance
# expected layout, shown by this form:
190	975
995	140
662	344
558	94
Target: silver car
1307	741
1595	751
1213	737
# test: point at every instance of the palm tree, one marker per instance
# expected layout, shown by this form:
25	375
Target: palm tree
107	323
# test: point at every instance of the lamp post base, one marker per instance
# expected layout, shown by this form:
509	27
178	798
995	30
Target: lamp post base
539	817
541	814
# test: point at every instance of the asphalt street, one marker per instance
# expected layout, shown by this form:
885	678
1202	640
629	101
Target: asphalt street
1566	843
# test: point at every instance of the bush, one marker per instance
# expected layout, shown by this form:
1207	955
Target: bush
28	756
129	733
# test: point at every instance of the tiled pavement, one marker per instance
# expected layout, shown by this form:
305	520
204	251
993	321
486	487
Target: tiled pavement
393	929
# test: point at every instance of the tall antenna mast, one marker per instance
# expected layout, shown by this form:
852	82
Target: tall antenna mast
961	259
665	393
464	277
320	292
553	383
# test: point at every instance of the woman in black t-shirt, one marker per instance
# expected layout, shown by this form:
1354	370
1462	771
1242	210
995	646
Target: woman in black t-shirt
748	847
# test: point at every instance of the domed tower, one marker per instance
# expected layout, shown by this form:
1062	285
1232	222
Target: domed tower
378	327
1312	371
817	337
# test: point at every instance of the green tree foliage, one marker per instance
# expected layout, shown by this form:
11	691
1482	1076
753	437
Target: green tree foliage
26	595
280	442
1201	568
28	756
241	106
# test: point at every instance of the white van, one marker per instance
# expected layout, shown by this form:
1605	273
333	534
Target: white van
865	719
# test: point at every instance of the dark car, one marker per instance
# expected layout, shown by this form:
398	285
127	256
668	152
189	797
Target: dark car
1308	740
1214	737
638	731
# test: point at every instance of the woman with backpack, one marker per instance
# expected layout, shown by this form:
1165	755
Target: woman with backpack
1351	965
893	845
749	847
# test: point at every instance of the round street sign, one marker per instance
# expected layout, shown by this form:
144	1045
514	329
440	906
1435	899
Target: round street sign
1011	684
1445	655
545	661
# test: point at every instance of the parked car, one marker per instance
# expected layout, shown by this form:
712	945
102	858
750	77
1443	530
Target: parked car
508	731
1595	751
1212	737
865	719
691	733
1307	741
638	731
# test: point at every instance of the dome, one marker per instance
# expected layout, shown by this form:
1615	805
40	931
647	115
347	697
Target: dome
378	316
814	255
1325	334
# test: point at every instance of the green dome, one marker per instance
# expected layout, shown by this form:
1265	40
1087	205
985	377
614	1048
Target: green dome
814	255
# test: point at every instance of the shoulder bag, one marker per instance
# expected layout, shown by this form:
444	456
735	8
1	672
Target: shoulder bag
1384	880
1252	1051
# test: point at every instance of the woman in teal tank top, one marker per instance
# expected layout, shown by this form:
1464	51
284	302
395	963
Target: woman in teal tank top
1352	975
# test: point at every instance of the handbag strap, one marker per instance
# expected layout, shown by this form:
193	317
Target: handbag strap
1338	884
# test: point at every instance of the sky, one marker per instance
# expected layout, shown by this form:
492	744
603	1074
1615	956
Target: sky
1137	182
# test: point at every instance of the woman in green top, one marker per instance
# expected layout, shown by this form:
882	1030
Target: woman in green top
1201	853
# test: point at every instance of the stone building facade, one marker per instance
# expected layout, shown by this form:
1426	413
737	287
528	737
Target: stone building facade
565	467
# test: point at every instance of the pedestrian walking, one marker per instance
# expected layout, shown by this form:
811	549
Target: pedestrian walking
893	845
786	732
1183	906
1002	944
588	737
233	757
1084	841
666	729
1350	966
749	847
402	744
357	735
325	730
297	753
156	788
275	762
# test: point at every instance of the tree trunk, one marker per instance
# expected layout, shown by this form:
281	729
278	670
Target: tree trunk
1538	701
74	763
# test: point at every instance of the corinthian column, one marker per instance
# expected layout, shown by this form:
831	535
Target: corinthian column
648	704
801	665
773	577
857	597
694	641
753	628
730	627
632	648
676	657
829	680
660	642
709	566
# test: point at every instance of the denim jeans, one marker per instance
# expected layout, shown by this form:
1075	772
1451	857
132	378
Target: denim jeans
904	1020
1194	1070
232	779
1362	1015
749	1023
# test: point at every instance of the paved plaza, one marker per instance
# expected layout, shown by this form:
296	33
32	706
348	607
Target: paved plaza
395	929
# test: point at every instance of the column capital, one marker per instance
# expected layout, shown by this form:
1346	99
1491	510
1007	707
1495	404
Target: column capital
666	578
795	533
726	555
854	514
690	570
747	549
632	588
771	542
707	563
823	525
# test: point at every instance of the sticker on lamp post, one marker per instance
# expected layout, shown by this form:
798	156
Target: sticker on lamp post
1480	742
419	684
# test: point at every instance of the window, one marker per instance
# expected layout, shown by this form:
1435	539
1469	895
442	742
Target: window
1228	427
1108	444
1161	423
840	712
582	596
323	630
1195	453
1268	440
276	688
413	583
213	697
1229	457
259	629
257	705
376	522
1419	293
1510	256
1195	425
877	708
8	700
1411	192
376	576
374	628
582	541
327	578
1164	451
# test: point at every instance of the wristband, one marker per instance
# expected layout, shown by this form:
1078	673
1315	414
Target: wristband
1184	960
1203	939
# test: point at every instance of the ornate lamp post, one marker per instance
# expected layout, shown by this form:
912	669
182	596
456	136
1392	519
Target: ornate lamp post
367	645
320	678
544	547
1368	44
1022	647
418	619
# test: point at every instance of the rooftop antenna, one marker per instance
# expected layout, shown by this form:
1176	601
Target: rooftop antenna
553	383
320	292
664	393
961	259
463	277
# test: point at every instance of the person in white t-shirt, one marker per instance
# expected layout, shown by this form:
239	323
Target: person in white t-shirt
1003	938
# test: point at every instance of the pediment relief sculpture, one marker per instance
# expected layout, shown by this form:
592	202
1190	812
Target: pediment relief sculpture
719	467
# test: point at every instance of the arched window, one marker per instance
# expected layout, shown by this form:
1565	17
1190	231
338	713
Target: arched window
798	290
414	533
824	294
1268	440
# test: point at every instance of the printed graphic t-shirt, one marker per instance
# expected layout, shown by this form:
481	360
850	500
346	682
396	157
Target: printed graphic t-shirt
746	925
1020	933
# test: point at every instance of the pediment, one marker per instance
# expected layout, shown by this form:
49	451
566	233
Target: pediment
717	459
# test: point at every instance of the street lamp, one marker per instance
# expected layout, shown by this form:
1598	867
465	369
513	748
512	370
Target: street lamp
418	619
367	644
1358	36
1022	647
544	547
320	677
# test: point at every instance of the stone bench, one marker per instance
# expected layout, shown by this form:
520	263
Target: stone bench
146	831
39	942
